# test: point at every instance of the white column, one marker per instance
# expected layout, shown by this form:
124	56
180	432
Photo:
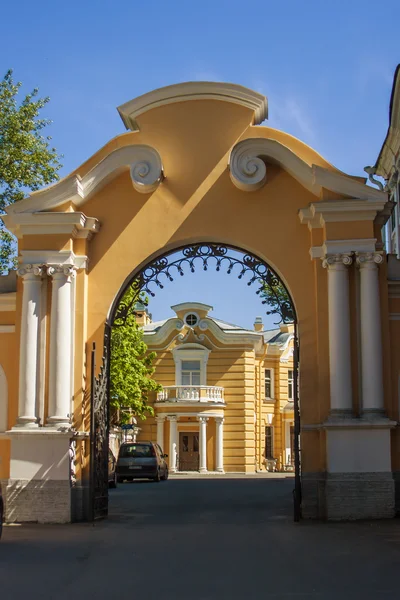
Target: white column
339	333
60	345
29	344
203	444
173	442
160	432
219	424
371	334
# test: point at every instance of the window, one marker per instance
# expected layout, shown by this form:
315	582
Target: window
269	442
190	372
269	383
191	319
290	384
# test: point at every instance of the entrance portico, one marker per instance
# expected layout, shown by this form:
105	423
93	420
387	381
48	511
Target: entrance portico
192	422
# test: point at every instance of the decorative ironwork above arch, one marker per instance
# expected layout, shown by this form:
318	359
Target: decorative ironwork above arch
205	255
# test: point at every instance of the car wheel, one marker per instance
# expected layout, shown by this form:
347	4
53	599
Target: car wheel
165	476
1	522
157	478
120	479
113	483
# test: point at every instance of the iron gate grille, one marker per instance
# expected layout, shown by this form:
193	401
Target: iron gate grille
99	430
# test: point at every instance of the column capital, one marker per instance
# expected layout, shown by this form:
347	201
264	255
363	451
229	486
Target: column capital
61	271
160	418
334	261
172	417
369	259
30	269
219	419
202	419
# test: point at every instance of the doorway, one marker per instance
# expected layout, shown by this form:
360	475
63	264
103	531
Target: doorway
189	457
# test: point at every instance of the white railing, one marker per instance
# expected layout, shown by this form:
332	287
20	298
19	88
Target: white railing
191	393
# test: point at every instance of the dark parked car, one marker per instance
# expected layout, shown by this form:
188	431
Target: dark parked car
112	473
142	460
1	513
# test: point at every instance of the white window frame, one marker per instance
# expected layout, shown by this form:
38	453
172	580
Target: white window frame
191	312
190	352
290	379
272	382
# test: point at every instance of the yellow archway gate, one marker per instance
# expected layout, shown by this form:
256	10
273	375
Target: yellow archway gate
196	167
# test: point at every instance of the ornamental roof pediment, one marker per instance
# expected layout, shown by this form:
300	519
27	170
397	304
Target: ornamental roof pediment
143	157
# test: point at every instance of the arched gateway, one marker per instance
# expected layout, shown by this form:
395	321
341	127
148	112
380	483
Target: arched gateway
197	167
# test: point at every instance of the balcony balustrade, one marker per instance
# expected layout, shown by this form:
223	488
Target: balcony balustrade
191	393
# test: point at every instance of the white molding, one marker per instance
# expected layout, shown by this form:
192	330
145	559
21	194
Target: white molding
193	90
247	167
63	257
146	172
188	404
249	172
338	211
8	302
160	337
7	328
343	247
76	224
190	352
191	307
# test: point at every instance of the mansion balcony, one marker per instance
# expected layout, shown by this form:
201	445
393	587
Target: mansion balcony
191	393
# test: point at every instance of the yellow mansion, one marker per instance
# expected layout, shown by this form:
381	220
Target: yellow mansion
226	402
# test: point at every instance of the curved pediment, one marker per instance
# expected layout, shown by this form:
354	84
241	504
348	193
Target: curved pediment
248	164
143	162
193	90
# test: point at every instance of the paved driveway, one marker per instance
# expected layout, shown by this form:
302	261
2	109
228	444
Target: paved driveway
202	539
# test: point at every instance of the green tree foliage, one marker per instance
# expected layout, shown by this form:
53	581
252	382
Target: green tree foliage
274	294
27	161
131	368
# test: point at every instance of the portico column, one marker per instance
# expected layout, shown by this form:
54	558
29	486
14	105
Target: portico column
371	334
28	356
339	333
60	345
219	424
173	441
203	444
160	432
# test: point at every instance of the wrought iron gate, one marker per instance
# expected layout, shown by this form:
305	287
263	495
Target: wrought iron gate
99	430
297	461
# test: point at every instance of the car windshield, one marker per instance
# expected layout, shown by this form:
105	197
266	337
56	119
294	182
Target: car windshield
137	451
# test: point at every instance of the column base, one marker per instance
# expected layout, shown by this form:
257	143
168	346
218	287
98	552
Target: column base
39	487
220	470
352	496
203	470
37	501
348	496
58	422
26	423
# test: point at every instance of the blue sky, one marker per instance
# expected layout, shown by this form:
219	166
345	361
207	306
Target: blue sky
326	68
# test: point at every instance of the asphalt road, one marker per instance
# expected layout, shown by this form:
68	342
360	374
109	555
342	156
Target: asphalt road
202	539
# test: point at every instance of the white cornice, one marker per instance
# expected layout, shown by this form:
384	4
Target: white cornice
193	90
8	302
338	211
226	338
75	224
146	173
249	172
63	257
343	247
